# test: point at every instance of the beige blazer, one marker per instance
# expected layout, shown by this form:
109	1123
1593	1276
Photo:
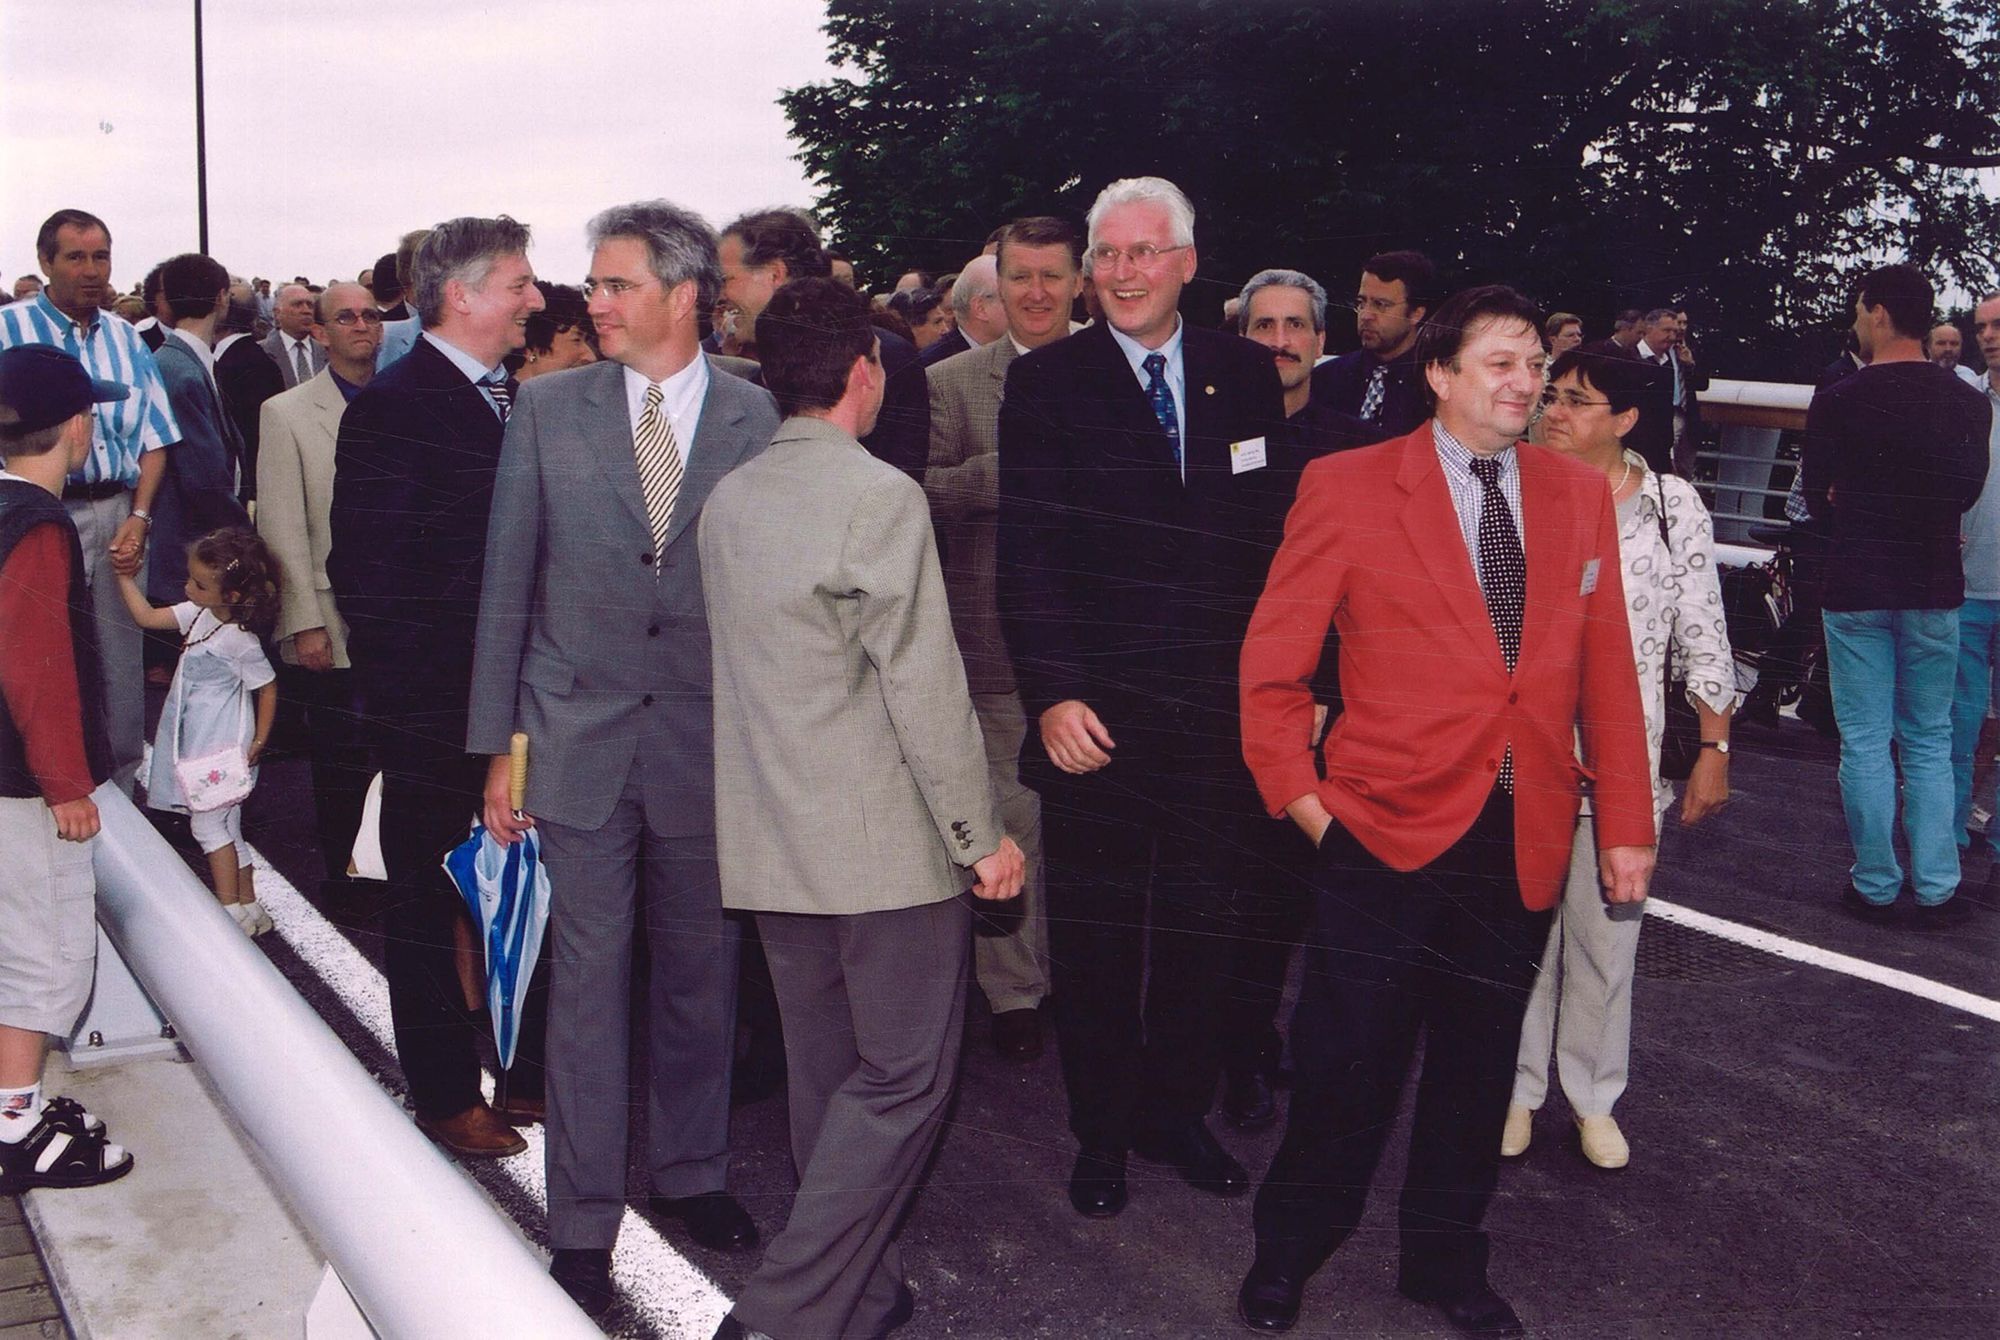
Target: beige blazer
962	482
850	775
295	440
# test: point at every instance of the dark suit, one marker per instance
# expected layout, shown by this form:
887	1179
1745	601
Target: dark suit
1126	588
953	342
413	482
247	378
197	493
1342	385
902	435
279	348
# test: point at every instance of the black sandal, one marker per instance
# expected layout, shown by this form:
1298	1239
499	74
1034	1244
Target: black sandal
53	1156
66	1114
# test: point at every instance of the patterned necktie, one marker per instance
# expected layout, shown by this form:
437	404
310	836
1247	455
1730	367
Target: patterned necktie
1162	397
502	391
659	461
1503	572
300	363
1371	400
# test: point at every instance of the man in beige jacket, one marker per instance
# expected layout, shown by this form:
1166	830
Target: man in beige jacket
852	809
296	433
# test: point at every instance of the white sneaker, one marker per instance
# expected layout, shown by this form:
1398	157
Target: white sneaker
240	914
1518	1132
255	919
1603	1143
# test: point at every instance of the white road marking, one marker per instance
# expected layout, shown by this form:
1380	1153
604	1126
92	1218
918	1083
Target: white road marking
670	1291
1800	952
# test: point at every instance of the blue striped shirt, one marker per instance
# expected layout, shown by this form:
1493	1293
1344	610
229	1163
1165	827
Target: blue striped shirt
1468	496
112	350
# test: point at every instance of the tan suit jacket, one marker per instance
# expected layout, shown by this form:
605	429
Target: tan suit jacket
296	434
850	775
962	481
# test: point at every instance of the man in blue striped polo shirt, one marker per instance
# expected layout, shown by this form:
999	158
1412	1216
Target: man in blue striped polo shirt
110	499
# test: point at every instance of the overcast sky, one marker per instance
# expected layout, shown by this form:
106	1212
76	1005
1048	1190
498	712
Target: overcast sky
334	126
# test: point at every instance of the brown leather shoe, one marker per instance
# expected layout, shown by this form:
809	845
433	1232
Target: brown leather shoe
523	1109
476	1133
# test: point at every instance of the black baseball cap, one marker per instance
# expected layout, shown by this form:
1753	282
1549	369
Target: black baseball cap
41	386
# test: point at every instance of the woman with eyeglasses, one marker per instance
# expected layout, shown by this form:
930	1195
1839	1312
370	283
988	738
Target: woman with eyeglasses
1582	1001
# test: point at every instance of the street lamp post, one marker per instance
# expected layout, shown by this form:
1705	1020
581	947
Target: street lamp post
200	138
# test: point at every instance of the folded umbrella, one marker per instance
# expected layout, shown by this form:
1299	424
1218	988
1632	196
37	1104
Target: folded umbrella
506	888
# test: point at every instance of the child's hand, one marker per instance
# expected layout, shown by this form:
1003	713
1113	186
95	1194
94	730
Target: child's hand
76	820
254	752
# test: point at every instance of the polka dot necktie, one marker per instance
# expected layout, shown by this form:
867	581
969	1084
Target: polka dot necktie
1371	400
1503	572
1162	397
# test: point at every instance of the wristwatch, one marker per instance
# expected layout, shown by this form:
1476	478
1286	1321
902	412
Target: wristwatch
143	515
1719	746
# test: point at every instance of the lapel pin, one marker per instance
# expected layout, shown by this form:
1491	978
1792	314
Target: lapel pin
1208	390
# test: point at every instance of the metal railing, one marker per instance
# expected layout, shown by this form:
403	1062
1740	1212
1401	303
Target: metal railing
422	1251
1752	420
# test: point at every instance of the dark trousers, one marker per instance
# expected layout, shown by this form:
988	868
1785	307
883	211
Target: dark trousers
874	1011
429	796
1448	950
329	713
1145	907
1275	912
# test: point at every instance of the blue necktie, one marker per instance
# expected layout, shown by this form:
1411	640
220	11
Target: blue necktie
1162	397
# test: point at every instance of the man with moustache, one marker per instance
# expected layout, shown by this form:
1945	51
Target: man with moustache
1139	505
1472	650
1037	275
1379	383
413	483
594	640
110	499
1944	346
298	431
1285	311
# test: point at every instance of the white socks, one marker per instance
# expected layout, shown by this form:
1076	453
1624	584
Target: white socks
20	1109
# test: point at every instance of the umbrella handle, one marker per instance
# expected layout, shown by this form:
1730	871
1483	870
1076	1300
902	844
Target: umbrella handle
517	771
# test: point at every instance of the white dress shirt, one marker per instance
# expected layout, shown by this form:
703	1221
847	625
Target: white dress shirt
1176	374
681	397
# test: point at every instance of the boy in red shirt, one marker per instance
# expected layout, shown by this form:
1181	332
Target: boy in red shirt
53	755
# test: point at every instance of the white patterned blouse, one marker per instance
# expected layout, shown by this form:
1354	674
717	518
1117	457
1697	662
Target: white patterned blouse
1673	595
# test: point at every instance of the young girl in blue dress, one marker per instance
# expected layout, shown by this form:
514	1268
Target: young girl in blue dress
232	591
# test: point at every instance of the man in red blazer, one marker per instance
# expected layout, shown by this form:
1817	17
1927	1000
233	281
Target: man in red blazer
1474	581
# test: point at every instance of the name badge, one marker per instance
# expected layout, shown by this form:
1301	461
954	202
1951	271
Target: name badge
1246	455
1590	576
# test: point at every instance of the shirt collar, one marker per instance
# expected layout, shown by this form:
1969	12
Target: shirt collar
1457	456
677	393
201	351
348	390
62	318
463	361
1136	353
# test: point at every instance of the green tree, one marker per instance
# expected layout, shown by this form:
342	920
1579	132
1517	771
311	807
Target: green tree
1745	156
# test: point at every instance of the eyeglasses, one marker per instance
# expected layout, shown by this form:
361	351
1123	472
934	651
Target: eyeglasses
612	288
1143	255
1569	399
348	316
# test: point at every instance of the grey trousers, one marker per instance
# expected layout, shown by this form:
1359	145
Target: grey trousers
118	638
1010	951
602	882
873	1008
1588	966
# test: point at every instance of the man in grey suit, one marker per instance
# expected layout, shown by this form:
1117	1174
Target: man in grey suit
1039	276
852	809
291	345
593	639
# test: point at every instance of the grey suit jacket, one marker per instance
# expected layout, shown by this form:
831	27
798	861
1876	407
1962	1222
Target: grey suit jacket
274	345
297	431
588	640
962	481
850	775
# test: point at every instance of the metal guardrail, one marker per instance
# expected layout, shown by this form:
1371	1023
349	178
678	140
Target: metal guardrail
423	1253
1751	420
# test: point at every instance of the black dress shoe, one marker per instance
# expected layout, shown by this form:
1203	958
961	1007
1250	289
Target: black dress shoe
713	1219
1247	1099
1017	1034
1269	1298
1861	909
585	1275
1097	1184
1480	1312
1192	1151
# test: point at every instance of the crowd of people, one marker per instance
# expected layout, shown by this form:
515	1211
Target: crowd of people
1005	628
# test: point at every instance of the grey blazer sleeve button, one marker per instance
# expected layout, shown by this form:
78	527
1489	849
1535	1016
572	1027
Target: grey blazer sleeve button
646	701
647	559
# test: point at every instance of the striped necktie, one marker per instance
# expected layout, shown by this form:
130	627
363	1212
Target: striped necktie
1378	387
501	388
659	460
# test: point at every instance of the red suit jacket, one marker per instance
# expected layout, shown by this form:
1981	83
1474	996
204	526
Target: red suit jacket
1373	546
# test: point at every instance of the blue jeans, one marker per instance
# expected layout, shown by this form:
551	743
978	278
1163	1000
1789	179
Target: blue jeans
1978	634
1892	673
